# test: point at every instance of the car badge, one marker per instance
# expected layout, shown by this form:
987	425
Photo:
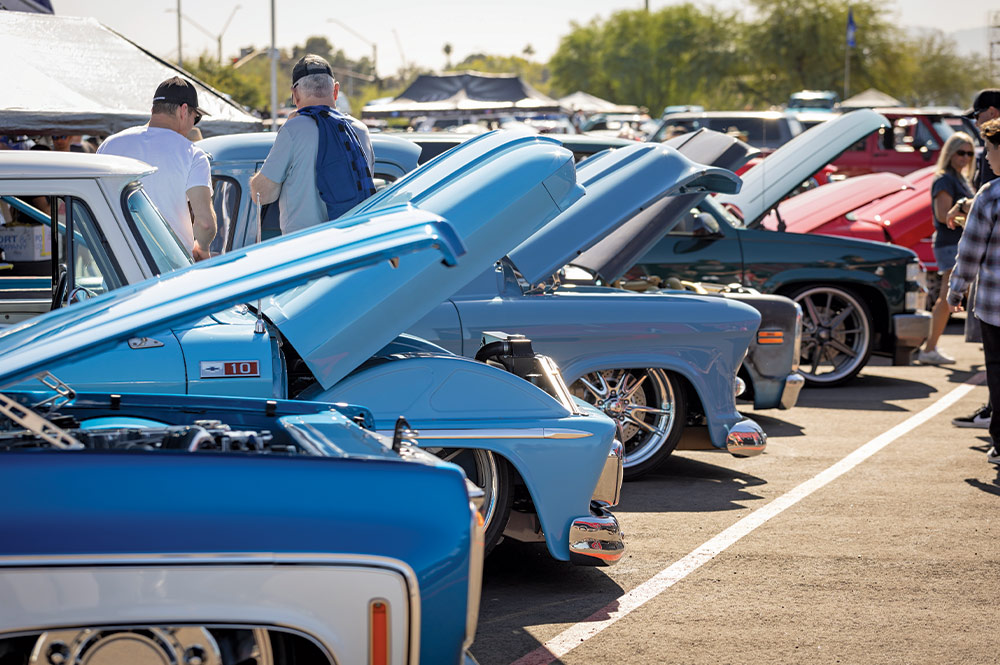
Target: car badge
144	343
229	369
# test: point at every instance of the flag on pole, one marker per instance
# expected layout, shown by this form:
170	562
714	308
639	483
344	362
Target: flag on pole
851	28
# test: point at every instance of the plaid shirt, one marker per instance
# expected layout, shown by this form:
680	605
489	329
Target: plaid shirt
979	253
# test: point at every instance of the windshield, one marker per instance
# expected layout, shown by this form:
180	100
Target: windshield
162	248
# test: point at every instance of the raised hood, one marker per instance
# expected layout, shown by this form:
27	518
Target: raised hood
813	209
793	163
187	294
618	251
495	190
621	184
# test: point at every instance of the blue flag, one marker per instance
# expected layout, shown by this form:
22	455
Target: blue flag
851	28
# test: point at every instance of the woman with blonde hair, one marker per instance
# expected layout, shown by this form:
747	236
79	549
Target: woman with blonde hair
951	183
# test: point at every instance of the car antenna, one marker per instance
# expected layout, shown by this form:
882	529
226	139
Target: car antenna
258	327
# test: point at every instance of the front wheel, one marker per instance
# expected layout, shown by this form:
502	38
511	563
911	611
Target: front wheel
647	405
490	473
836	335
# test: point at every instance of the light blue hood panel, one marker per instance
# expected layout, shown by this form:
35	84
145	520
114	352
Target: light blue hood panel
495	191
185	295
620	184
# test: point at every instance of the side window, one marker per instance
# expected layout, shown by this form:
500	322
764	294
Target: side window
226	202
75	267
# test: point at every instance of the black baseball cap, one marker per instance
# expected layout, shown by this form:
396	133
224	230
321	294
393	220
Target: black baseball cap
984	99
176	90
308	65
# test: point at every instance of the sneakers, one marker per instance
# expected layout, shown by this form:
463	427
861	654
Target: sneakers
992	456
934	357
979	419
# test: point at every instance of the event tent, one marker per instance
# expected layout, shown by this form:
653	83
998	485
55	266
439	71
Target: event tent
73	75
464	93
870	98
587	103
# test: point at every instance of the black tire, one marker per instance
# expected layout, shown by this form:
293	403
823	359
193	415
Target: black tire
649	406
491	473
836	335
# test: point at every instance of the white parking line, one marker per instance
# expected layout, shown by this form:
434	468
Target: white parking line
576	635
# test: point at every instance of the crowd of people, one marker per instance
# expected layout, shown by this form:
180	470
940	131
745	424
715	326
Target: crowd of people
319	167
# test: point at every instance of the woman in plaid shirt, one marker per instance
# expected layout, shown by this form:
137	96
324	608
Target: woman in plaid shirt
979	254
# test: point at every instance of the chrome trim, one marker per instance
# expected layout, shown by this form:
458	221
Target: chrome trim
608	491
746	439
790	391
911	330
245	558
559	387
511	433
596	540
740	387
144	343
475	588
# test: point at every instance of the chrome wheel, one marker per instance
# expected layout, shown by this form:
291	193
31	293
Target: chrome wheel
836	335
492	475
647	407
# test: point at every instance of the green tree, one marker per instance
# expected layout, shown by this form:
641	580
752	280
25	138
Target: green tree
242	86
939	75
800	44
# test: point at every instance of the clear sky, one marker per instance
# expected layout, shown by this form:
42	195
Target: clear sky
418	29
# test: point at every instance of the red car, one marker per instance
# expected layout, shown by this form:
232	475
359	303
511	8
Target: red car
884	207
913	142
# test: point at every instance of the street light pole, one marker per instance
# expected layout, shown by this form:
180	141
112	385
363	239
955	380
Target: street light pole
274	75
180	60
355	33
217	38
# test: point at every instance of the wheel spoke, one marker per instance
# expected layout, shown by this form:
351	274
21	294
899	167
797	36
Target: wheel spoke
817	354
811	310
844	313
631	391
633	408
599	392
452	455
642	424
843	348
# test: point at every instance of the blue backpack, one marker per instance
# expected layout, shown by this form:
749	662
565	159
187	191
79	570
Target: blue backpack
343	176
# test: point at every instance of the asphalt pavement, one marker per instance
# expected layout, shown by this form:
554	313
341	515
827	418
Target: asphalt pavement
864	534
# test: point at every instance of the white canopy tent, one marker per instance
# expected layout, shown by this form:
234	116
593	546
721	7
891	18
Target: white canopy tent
76	76
870	98
587	103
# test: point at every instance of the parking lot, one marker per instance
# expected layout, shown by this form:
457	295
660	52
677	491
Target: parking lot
864	534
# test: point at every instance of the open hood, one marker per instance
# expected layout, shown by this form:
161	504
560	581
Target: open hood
495	190
793	163
618	251
621	185
812	209
187	294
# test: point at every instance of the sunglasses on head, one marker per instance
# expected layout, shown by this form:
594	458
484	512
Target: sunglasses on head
964	153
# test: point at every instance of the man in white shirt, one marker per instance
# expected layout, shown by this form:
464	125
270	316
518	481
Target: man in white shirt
183	173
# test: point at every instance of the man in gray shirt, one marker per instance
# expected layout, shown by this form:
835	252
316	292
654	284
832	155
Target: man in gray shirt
289	172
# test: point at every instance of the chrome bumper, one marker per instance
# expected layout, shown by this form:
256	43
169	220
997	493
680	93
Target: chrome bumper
596	540
911	330
746	439
608	491
790	393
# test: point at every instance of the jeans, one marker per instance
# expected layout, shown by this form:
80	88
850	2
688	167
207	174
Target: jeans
991	348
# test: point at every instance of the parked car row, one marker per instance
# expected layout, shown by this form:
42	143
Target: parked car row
301	449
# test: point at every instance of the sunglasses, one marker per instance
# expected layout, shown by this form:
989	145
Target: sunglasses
197	117
964	153
60	137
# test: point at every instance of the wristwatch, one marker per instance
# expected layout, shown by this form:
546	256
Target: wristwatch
964	203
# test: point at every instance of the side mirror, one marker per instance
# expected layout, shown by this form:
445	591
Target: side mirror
704	226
